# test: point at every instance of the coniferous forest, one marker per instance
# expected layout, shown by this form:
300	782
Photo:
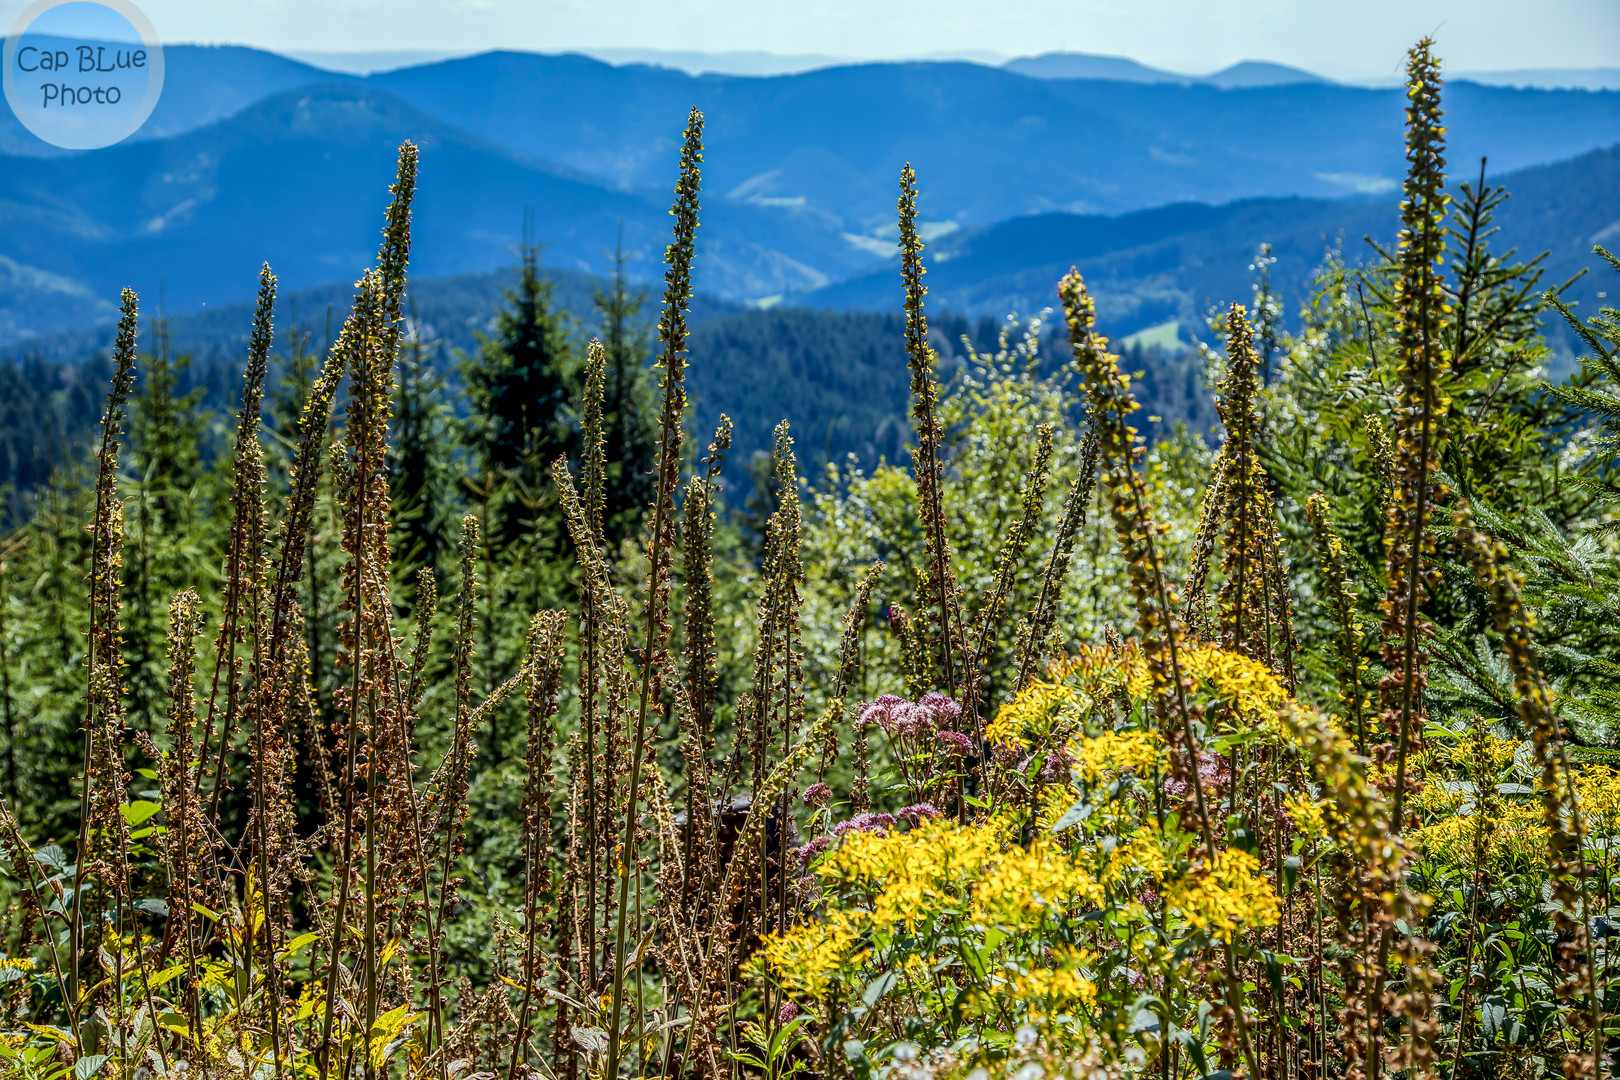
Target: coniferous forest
502	723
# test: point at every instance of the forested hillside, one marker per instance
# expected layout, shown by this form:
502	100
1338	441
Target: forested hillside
444	683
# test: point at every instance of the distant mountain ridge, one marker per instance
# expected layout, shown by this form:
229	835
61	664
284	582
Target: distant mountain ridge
300	180
1073	65
1175	263
799	171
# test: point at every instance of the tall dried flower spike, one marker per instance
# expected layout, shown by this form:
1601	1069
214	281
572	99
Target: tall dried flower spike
1032	502
1246	503
1561	815
1119	447
102	846
1420	303
672	333
1035	632
1339	591
937	590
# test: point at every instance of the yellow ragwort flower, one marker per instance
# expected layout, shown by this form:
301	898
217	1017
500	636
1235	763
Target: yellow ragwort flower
1225	896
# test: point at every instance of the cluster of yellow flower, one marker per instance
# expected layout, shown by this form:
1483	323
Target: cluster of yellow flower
917	871
1142	752
1057	989
809	955
1225	895
1599	792
1032	713
1518	836
1027	884
1240	681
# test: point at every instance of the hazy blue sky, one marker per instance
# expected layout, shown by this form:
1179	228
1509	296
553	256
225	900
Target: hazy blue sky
1344	38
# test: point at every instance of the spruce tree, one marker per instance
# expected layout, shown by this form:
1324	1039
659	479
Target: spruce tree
418	468
630	429
517	396
167	431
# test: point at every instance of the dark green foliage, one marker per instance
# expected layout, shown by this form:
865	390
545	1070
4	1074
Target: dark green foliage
629	421
517	393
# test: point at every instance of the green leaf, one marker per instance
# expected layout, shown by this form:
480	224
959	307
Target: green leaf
1073	816
879	987
139	811
89	1066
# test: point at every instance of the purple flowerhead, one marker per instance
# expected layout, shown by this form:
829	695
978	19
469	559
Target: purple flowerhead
917	813
947	711
817	795
953	743
1055	769
814	848
867	822
882	712
787	1012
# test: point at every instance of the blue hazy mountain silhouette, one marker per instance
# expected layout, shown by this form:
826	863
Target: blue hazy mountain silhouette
799	175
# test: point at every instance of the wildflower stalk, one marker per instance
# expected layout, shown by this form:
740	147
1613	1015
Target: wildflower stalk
937	591
1420	302
544	665
672	332
1341	600
1031	504
103	715
1119	447
1035	631
1561	814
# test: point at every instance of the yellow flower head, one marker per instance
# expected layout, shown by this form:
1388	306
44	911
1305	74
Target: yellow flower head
807	956
1058	989
1306	814
1028	883
1112	753
1225	895
914	873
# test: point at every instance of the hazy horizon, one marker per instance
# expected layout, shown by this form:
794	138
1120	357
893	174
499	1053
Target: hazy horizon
1363	42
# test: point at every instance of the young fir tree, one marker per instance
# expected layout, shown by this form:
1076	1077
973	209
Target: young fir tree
517	396
630	429
418	467
167	431
518	421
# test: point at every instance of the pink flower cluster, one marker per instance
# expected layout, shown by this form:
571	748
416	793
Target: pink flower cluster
917	813
1213	775
817	795
868	822
906	719
814	848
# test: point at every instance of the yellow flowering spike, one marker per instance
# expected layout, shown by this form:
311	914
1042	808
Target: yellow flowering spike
1225	896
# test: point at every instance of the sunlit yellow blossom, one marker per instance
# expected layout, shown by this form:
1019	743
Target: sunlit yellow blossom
1033	710
1143	853
1599	794
1225	895
807	956
1244	683
1306	814
1517	835
1026	884
1059	988
916	871
1113	752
